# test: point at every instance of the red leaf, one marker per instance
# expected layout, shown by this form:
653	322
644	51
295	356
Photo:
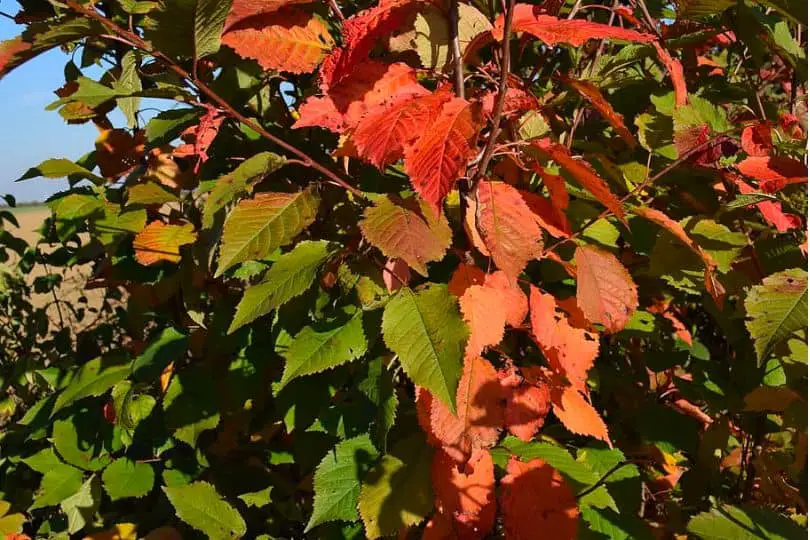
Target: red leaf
440	156
371	84
675	70
570	351
756	139
480	412
529	18
465	494
360	34
464	277
118	151
242	9
595	97
516	101
576	414
605	291
775	172
389	128
199	138
526	408
537	502
546	215
14	52
508	228
582	173
772	211
289	40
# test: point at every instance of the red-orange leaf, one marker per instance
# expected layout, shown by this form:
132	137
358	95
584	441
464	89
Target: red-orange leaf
756	139
582	173
159	241
526	408
595	97
537	502
605	291
675	70
440	156
576	414
242	9
507	226
466	494
464	277
289	40
371	84
774	172
570	351
772	211
511	296
530	18
386	130
480	412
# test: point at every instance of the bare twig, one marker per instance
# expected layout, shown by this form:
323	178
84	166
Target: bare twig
455	46
135	41
333	5
503	87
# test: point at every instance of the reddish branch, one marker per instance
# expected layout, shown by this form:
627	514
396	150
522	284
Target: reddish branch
135	41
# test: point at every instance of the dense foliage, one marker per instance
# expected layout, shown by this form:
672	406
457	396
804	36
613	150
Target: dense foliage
438	269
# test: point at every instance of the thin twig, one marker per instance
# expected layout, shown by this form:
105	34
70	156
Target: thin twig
139	43
336	10
602	480
503	87
458	65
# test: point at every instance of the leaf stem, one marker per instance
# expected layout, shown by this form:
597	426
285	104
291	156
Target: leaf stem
455	45
139	43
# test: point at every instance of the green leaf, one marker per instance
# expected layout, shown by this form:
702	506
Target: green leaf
432	38
75	206
94	378
209	20
81	437
238	181
81	507
199	505
291	275
168	125
747	199
189	405
126	478
337	480
776	309
614	525
378	387
397	492
167	346
426	330
149	193
57	485
130	408
10	523
259	226
117	224
746	523
257	499
324	346
60	168
43	461
696	9
129	82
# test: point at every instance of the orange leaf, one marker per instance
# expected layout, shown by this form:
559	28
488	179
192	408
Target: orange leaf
526	408
161	242
480	412
440	156
289	40
576	414
537	502
383	134
371	84
582	173
465	494
546	215
242	9
774	172
507	226
530	18
605	291
464	277
570	351
117	151
675	70
595	97
360	33
485	314
511	296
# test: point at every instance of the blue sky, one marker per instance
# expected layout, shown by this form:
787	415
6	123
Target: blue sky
30	134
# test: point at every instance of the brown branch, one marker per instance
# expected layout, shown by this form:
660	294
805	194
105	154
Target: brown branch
139	43
503	87
455	45
333	5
